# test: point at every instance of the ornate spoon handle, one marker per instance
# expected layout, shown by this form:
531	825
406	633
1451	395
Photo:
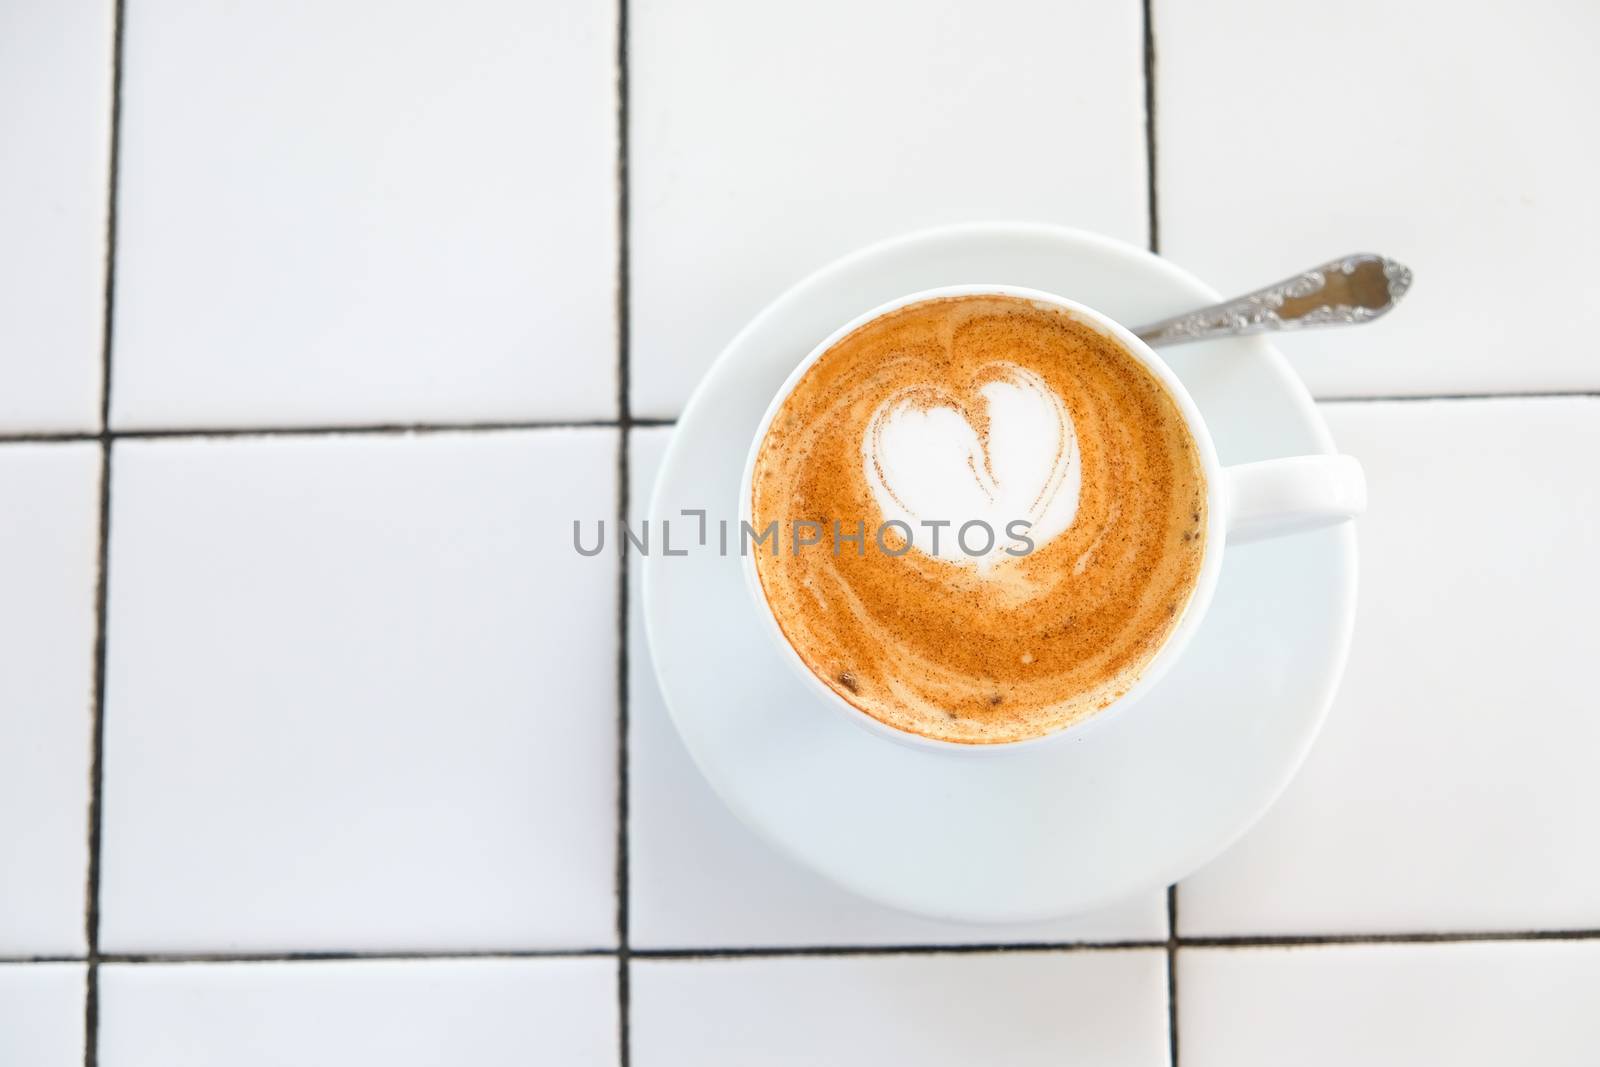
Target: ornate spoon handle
1345	292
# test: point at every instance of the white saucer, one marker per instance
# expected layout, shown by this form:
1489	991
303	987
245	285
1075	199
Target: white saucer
1063	828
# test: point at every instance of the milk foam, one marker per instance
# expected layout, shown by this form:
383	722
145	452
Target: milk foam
992	408
925	460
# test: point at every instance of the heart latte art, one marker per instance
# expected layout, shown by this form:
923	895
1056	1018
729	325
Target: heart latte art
926	458
953	417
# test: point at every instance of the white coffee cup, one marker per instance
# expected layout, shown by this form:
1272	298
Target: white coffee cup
1245	502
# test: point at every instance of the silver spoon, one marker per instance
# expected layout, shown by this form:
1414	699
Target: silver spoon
1345	292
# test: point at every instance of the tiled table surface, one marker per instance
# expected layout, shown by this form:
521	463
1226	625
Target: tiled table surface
295	660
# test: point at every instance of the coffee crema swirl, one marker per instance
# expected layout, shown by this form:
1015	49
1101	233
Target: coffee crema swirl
998	408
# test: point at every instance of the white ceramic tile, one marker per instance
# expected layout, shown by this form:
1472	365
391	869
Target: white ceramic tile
1467	1005
55	79
366	212
361	694
739	891
762	147
49	560
1017	1009
41	1014
1453	143
1454	786
407	1013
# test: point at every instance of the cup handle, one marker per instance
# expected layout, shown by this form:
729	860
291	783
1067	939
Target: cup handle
1282	496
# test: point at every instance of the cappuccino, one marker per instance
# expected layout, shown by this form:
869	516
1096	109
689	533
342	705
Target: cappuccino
1011	516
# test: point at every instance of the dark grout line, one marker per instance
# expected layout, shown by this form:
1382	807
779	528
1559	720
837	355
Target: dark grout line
1409	399
624	249
624	1010
1150	127
370	429
1172	975
337	957
91	917
91	909
91	1014
624	473
47	438
987	948
114	164
1243	942
623	697
1449	938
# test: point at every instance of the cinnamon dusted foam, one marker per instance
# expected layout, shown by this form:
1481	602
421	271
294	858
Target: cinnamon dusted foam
980	412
